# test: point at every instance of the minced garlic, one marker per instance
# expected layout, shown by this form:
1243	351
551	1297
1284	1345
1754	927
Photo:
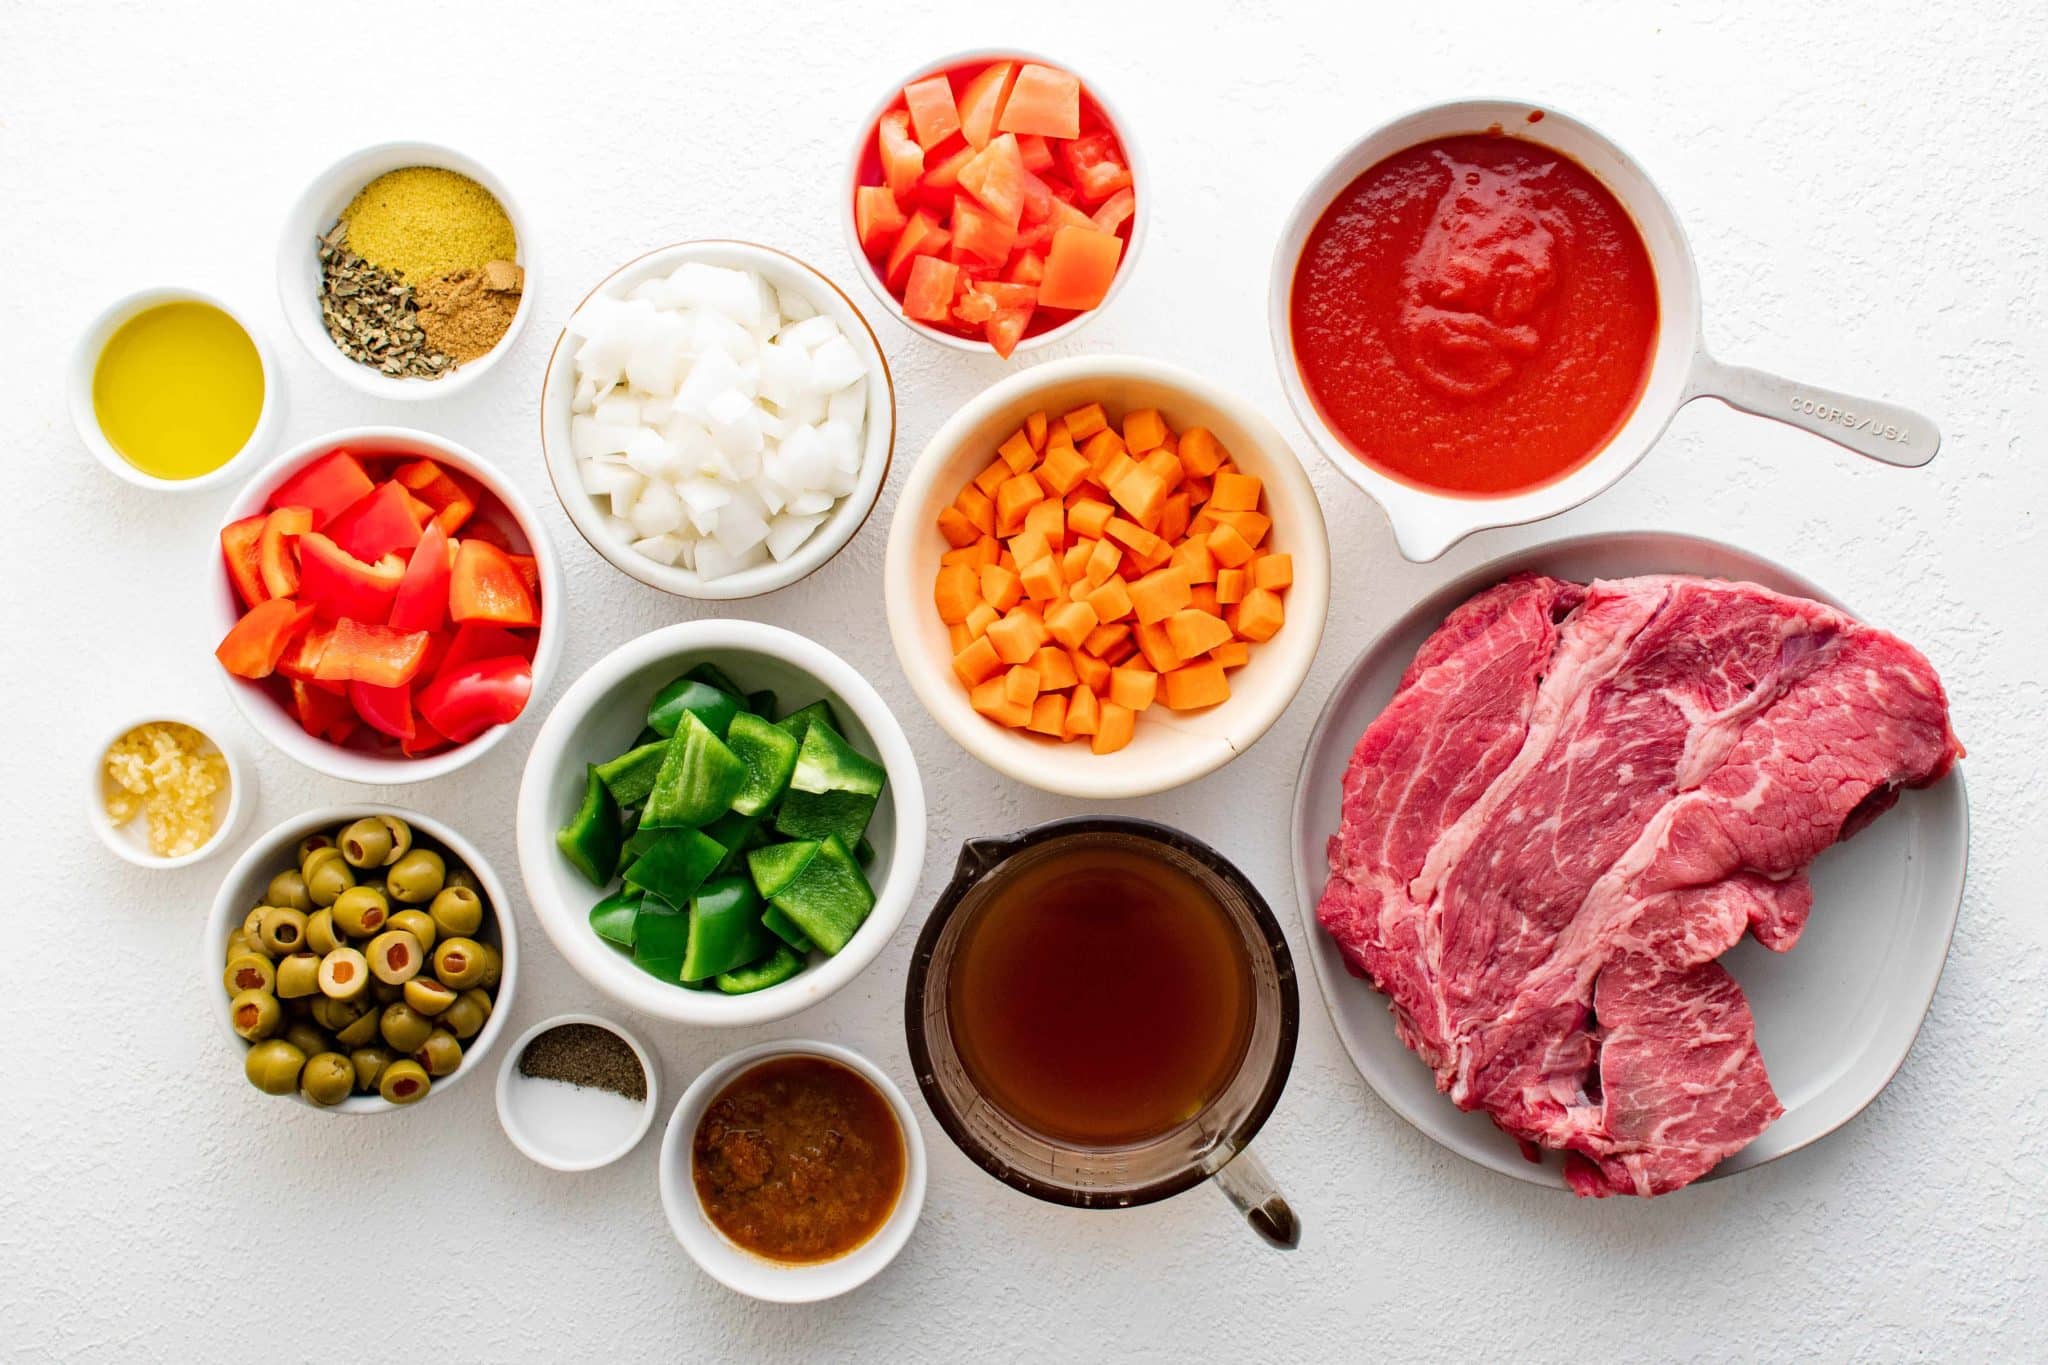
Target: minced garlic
170	773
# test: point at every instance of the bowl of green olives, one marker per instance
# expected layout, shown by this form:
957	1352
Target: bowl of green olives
367	957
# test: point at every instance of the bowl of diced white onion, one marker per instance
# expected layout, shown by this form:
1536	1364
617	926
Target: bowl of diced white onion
718	419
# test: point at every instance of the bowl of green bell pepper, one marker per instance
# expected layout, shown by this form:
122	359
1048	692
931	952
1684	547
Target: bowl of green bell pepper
720	822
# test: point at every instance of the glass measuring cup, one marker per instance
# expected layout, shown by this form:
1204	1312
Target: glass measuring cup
1213	1144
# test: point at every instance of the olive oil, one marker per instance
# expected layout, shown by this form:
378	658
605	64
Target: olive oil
178	389
1100	997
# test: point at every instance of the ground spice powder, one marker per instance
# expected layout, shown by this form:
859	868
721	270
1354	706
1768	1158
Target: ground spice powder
585	1055
466	313
421	222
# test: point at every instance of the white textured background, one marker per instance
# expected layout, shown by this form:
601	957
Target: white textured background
1865	190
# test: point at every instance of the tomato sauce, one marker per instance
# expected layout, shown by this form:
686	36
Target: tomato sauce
1475	314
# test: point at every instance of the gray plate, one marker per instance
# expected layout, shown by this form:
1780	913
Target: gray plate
1835	1017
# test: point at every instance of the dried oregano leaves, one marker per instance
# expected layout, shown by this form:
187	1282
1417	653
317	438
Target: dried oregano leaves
372	316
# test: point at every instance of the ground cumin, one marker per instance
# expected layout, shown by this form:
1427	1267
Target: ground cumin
467	312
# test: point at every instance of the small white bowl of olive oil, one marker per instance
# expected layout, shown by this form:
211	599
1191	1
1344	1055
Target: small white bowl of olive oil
172	389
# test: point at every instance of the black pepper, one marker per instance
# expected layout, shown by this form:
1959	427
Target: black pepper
585	1055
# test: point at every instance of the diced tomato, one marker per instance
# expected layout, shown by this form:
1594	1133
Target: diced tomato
929	295
339	585
980	235
1036	151
1116	211
933	115
453	497
422	599
327	486
487	586
877	218
275	549
238	541
374	654
922	236
995	177
377	524
1042	100
254	644
981	103
387	710
1013	306
1038	202
1096	162
322	714
902	158
477	641
1079	268
943	176
302	659
1026	267
467	699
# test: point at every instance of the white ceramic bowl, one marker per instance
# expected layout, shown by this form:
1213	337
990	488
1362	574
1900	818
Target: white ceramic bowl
131	841
269	715
85	359
568	1127
275	852
598	717
298	265
1428	522
785	272
1170	748
1141	187
750	1274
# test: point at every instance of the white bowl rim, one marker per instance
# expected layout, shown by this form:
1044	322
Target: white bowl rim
85	359
292	255
755	1276
1053	768
841	525
568	927
240	799
266	848
268	717
508	1076
1133	157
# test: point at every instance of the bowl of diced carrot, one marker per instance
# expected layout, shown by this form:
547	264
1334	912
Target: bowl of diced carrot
995	202
1107	576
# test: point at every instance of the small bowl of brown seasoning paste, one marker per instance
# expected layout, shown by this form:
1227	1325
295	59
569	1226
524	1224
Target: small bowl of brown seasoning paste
792	1171
404	270
577	1092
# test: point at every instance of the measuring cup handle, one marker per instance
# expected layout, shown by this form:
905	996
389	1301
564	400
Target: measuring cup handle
1249	1187
1882	431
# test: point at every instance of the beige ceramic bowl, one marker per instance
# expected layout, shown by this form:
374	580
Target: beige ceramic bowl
1170	747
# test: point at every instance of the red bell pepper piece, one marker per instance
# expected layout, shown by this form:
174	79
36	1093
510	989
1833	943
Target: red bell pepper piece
376	524
479	641
490	533
253	645
487	586
301	659
321	713
387	710
340	585
422	601
452	501
327	487
425	738
529	572
274	557
374	654
238	547
464	701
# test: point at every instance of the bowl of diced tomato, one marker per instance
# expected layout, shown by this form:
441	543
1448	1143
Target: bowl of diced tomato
387	605
995	202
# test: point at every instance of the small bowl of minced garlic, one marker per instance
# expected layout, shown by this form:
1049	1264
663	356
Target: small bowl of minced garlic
164	793
404	270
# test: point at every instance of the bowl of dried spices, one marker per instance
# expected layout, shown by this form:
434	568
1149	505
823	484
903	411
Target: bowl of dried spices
577	1092
404	269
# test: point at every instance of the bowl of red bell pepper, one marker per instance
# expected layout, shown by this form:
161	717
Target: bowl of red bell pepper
386	604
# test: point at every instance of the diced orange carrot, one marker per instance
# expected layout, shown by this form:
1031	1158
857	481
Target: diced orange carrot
1115	469
1236	654
957	529
978	507
1196	487
1063	469
1230	586
1202	524
1132	536
958	638
1194	631
1028	547
1055	669
1048	715
1020	685
1141	494
980	617
1251	525
1000	587
1157	557
1144	430
1160	594
1133	687
989	697
1273	571
1114	728
970	555
1100	448
1045	101
977	662
1074	562
1165	466
1018	635
1174	517
1092	670
1085	421
1235	493
1049	519
1200	452
1195	685
1079	267
1034	430
1259	616
1121	654
956	593
1013	499
1042	579
1084	710
991	478
1111	601
1230	548
1104	559
1017	451
1203	598
1070	622
1087	516
1157	647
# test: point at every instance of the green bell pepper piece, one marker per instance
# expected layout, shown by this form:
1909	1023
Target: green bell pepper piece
864	852
739	834
698	780
613	917
631	775
675	866
593	835
814	815
778	967
642	839
725	929
798	723
784	928
825	762
774	866
660	935
770	753
762	704
687	696
648	735
711	676
829	897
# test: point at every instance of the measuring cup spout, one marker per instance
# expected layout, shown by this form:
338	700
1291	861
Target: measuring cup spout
1249	1187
